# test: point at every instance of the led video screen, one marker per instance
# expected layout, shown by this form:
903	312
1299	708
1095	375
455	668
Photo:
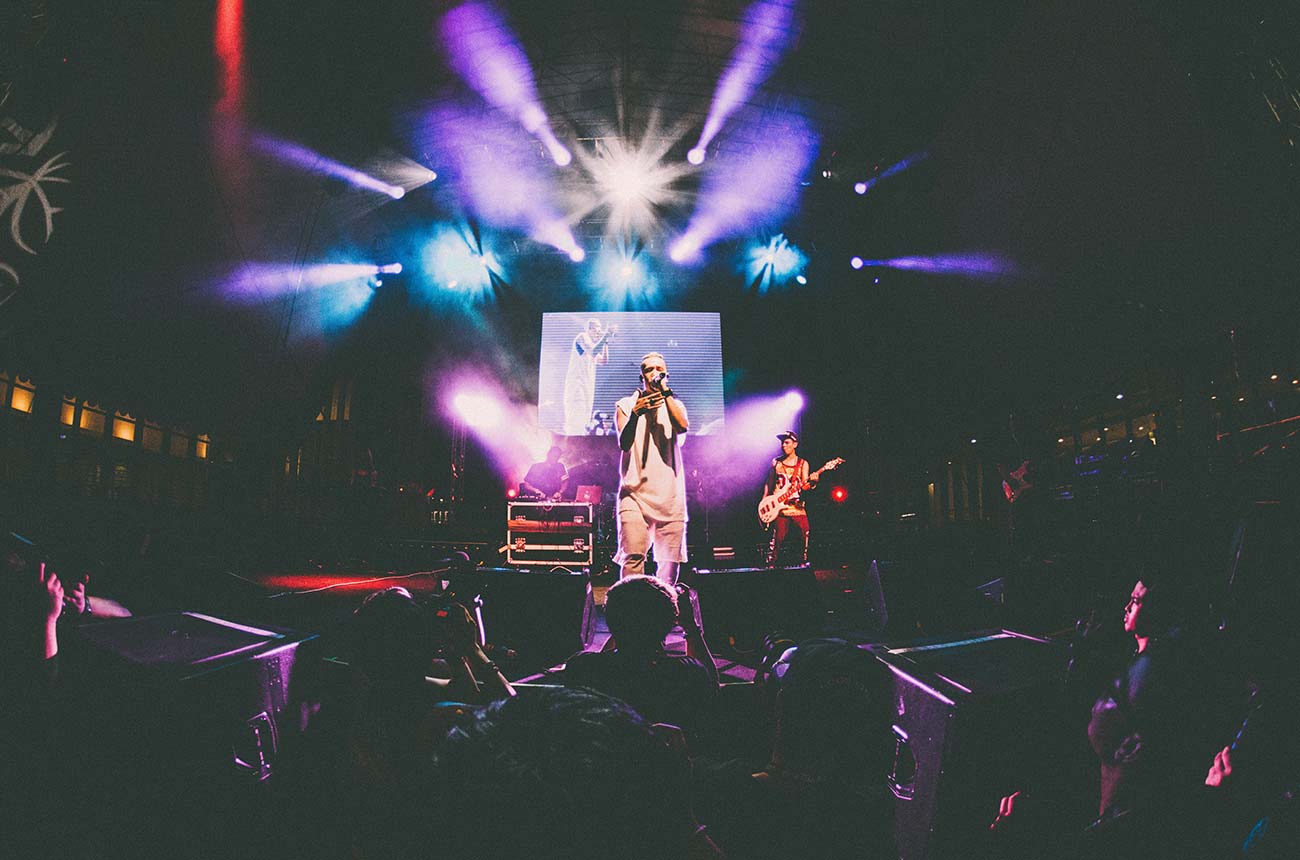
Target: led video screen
591	359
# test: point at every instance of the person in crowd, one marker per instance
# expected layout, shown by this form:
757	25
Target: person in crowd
33	763
666	688
822	793
347	787
562	773
1143	730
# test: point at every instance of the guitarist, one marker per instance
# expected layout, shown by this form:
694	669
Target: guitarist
790	529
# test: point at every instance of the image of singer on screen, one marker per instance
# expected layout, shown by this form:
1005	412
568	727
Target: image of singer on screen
590	350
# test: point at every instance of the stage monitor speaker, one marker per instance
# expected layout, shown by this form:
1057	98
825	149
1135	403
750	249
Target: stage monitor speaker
964	707
174	720
741	605
543	617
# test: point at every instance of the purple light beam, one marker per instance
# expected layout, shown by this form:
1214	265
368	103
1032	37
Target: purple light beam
486	54
740	194
299	156
765	34
978	266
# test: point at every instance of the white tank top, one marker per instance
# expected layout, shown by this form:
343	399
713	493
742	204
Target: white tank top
656	488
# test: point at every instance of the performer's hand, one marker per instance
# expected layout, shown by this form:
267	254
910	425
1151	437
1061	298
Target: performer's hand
648	403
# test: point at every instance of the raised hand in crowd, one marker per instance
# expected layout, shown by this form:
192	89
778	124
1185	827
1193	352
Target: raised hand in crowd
53	606
475	677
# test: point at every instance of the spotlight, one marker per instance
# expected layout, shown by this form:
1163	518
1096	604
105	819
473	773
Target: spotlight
695	156
973	440
775	261
794	400
801	279
531	118
860	188
391	269
622	271
633	182
396	192
1119	396
684	249
450	258
478	411
856	263
577	255
839	494
511	492
562	157
875	281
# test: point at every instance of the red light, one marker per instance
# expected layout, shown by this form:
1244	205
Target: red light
511	493
839	494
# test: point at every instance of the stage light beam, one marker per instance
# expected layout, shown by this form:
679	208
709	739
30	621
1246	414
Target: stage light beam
478	411
767	27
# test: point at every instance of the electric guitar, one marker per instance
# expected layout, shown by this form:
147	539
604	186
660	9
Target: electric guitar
771	505
1017	482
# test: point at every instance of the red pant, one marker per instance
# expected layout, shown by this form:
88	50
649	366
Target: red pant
789	538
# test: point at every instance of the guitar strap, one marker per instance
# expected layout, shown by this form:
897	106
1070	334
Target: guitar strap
795	471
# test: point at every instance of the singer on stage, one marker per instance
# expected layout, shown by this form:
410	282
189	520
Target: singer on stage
651	426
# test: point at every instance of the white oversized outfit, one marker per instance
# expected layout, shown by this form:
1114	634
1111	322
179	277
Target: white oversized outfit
580	385
652	491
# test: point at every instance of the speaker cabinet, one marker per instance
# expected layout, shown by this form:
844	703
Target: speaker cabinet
174	723
964	708
544	617
741	605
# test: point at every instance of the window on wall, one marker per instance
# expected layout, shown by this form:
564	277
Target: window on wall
201	446
4	387
93	418
123	427
180	444
68	411
23	395
151	436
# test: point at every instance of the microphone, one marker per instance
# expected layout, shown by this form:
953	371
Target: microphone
659	379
